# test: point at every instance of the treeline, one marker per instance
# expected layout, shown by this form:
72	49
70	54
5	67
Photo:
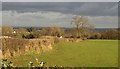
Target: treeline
83	33
32	32
106	34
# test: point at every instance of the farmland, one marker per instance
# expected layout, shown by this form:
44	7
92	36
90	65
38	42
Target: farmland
88	53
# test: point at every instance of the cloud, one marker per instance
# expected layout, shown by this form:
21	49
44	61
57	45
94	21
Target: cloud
99	9
104	21
35	19
75	8
45	19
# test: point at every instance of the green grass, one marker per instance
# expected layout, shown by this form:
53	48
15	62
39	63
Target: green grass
88	53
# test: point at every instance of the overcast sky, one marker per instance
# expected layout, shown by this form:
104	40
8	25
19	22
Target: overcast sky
101	14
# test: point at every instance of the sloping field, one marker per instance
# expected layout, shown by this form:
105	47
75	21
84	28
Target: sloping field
88	53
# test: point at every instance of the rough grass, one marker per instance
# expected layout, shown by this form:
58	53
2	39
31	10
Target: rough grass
88	53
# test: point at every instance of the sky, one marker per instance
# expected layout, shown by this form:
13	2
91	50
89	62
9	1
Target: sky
60	0
44	14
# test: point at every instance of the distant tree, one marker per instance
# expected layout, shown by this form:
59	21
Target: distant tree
29	36
79	21
20	32
109	34
37	33
30	29
7	30
118	33
96	35
52	31
81	24
106	34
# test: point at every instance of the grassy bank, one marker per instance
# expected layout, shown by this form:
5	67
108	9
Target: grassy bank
88	53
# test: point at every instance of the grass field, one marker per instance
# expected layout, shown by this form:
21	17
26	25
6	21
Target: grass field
88	53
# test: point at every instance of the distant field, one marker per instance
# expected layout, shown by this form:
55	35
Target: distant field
88	53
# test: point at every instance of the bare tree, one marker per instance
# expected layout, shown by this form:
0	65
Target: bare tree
80	22
53	31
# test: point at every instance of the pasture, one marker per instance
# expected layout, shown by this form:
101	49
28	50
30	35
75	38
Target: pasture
88	53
